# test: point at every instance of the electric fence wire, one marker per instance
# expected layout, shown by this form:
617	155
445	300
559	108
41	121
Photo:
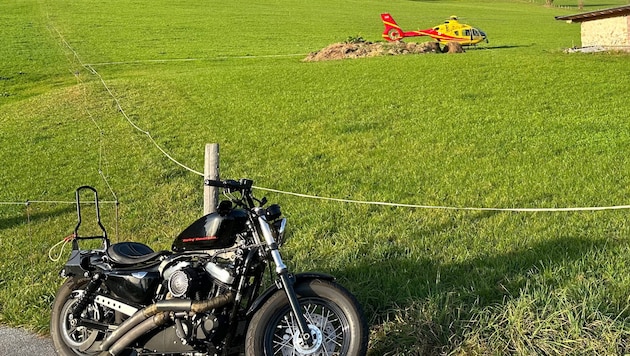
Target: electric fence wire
27	202
222	58
441	207
101	132
116	202
135	126
418	206
82	84
118	105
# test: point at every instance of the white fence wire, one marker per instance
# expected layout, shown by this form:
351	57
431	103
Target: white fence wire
90	68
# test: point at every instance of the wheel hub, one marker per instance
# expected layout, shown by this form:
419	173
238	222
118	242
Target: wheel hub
302	347
325	336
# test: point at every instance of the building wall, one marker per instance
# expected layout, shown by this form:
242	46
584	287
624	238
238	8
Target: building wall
610	32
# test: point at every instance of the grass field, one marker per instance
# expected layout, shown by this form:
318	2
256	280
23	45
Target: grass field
515	123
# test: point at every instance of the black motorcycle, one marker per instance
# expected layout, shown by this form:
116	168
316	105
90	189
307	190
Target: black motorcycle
205	297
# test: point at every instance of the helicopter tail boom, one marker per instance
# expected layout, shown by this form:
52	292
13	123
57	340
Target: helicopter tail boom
393	32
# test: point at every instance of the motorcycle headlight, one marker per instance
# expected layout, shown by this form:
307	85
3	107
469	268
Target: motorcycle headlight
280	227
273	212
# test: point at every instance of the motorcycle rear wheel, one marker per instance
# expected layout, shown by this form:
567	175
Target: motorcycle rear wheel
68	340
332	313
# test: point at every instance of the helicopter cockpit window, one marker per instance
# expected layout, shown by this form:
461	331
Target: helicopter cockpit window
466	32
475	32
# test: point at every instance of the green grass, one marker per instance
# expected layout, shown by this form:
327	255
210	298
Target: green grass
515	123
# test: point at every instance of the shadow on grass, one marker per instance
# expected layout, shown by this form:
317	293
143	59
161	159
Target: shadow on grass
452	290
24	218
488	47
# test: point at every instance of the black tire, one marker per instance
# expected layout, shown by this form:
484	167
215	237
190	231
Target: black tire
328	307
67	340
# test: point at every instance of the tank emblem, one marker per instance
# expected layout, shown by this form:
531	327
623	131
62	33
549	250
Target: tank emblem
195	239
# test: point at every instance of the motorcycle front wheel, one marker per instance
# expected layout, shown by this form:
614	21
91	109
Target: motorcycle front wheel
333	314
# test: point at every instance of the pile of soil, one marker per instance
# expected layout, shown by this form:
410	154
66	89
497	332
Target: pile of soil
345	50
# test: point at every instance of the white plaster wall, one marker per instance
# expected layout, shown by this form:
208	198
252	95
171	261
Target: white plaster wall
606	32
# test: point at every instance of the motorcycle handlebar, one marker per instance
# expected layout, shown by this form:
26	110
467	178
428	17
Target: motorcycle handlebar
230	184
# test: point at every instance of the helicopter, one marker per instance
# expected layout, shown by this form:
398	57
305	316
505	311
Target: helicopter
450	30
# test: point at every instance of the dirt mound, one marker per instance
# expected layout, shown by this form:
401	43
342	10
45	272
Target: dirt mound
345	50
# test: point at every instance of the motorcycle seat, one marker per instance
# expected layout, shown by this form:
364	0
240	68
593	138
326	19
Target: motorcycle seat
133	253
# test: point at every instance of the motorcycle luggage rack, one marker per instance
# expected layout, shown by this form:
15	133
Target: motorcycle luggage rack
77	237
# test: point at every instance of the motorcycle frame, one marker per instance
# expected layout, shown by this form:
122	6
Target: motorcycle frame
89	264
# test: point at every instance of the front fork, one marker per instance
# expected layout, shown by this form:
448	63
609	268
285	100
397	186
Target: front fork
285	280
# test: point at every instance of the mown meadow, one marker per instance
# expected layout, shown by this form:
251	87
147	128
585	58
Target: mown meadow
514	123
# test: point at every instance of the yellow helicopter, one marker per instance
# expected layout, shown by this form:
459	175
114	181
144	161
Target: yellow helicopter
450	30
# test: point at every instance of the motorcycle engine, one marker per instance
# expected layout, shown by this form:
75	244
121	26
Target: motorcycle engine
182	281
198	277
195	280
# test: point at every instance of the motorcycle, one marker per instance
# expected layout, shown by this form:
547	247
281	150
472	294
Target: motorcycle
205	296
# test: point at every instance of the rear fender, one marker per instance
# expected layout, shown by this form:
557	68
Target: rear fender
82	261
296	280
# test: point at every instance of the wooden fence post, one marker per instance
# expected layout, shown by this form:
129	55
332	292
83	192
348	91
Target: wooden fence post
211	171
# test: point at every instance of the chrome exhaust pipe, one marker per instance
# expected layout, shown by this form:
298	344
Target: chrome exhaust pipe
144	327
156	315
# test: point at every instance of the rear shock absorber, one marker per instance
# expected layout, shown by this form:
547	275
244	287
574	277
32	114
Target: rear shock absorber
87	297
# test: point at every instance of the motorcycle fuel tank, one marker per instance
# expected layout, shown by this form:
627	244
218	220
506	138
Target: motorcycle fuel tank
212	231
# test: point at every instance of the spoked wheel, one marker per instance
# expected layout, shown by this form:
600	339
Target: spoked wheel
68	338
333	315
